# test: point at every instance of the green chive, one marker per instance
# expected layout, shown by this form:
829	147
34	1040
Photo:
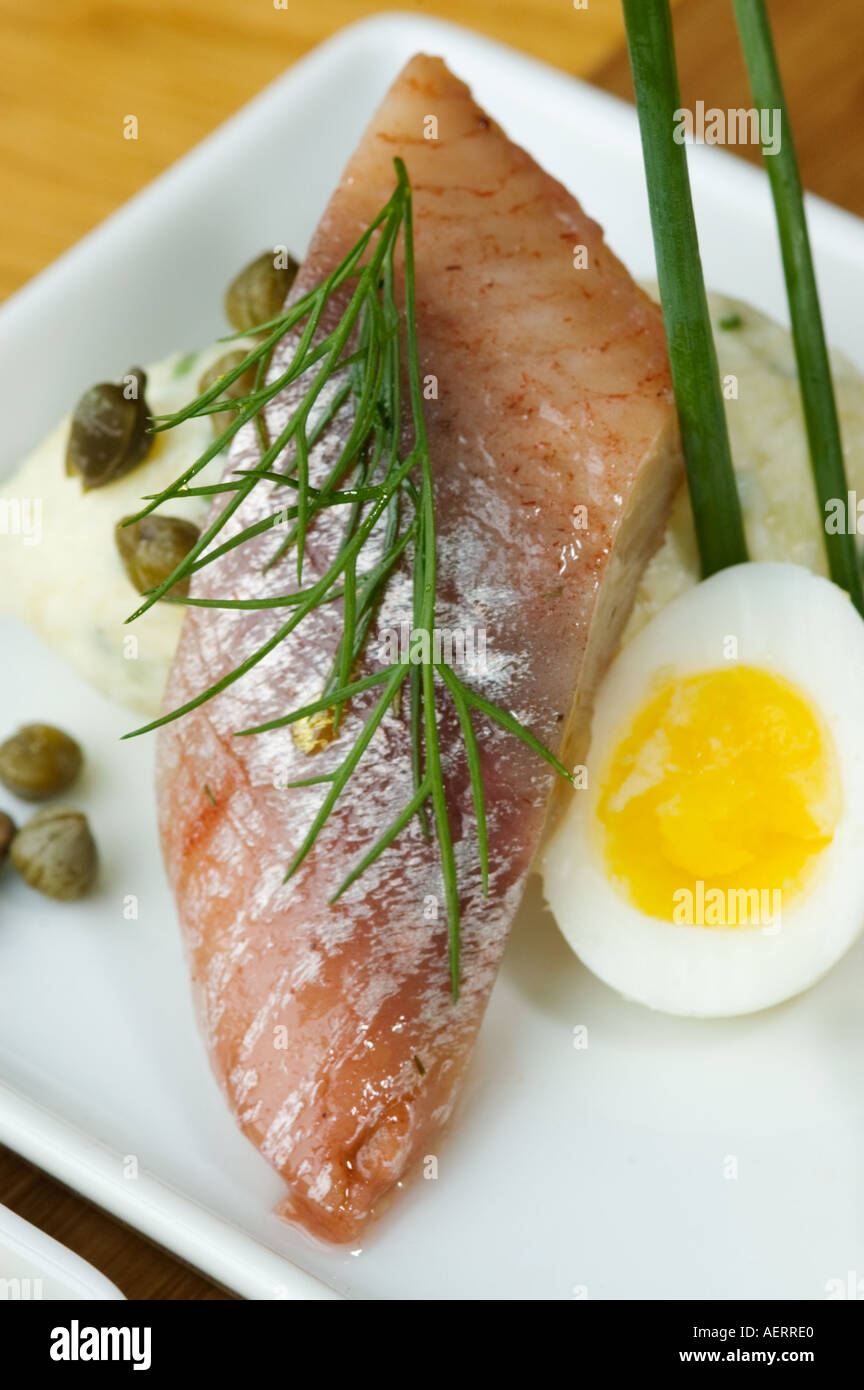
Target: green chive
692	355
808	333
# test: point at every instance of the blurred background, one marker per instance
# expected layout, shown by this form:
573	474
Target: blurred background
72	71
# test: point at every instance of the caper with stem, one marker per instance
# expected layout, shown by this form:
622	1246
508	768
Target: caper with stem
39	761
108	435
221	419
56	854
153	547
259	292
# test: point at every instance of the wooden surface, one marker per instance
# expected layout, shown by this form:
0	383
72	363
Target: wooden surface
72	72
821	52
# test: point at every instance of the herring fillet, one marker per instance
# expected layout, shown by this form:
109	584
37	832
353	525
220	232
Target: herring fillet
332	1029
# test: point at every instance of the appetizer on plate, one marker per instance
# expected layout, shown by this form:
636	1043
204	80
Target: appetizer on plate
452	613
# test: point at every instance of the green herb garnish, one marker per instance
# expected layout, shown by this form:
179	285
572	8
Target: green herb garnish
730	322
692	354
185	363
808	333
362	361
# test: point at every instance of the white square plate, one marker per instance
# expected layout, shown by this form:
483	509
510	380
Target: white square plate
33	1266
595	1172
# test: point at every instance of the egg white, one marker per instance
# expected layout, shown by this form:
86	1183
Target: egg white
797	626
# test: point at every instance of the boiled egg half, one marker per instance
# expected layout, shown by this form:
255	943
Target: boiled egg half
711	860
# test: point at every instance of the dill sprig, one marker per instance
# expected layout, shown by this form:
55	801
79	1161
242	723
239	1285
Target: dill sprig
387	493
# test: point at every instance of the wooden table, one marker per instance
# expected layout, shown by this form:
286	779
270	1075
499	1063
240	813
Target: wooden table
71	74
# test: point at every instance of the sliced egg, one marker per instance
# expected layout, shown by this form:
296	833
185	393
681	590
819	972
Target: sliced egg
713	861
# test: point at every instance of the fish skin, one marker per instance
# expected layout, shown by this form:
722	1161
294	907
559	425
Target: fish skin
553	393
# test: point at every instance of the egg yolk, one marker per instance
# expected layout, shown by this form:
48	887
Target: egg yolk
728	780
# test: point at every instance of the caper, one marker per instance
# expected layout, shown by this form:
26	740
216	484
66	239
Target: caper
108	435
153	547
39	761
56	854
221	419
7	834
259	292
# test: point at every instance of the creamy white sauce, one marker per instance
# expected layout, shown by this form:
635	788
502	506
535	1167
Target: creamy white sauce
59	567
770	454
70	585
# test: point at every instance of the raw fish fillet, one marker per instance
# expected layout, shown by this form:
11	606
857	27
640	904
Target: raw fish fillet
332	1030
